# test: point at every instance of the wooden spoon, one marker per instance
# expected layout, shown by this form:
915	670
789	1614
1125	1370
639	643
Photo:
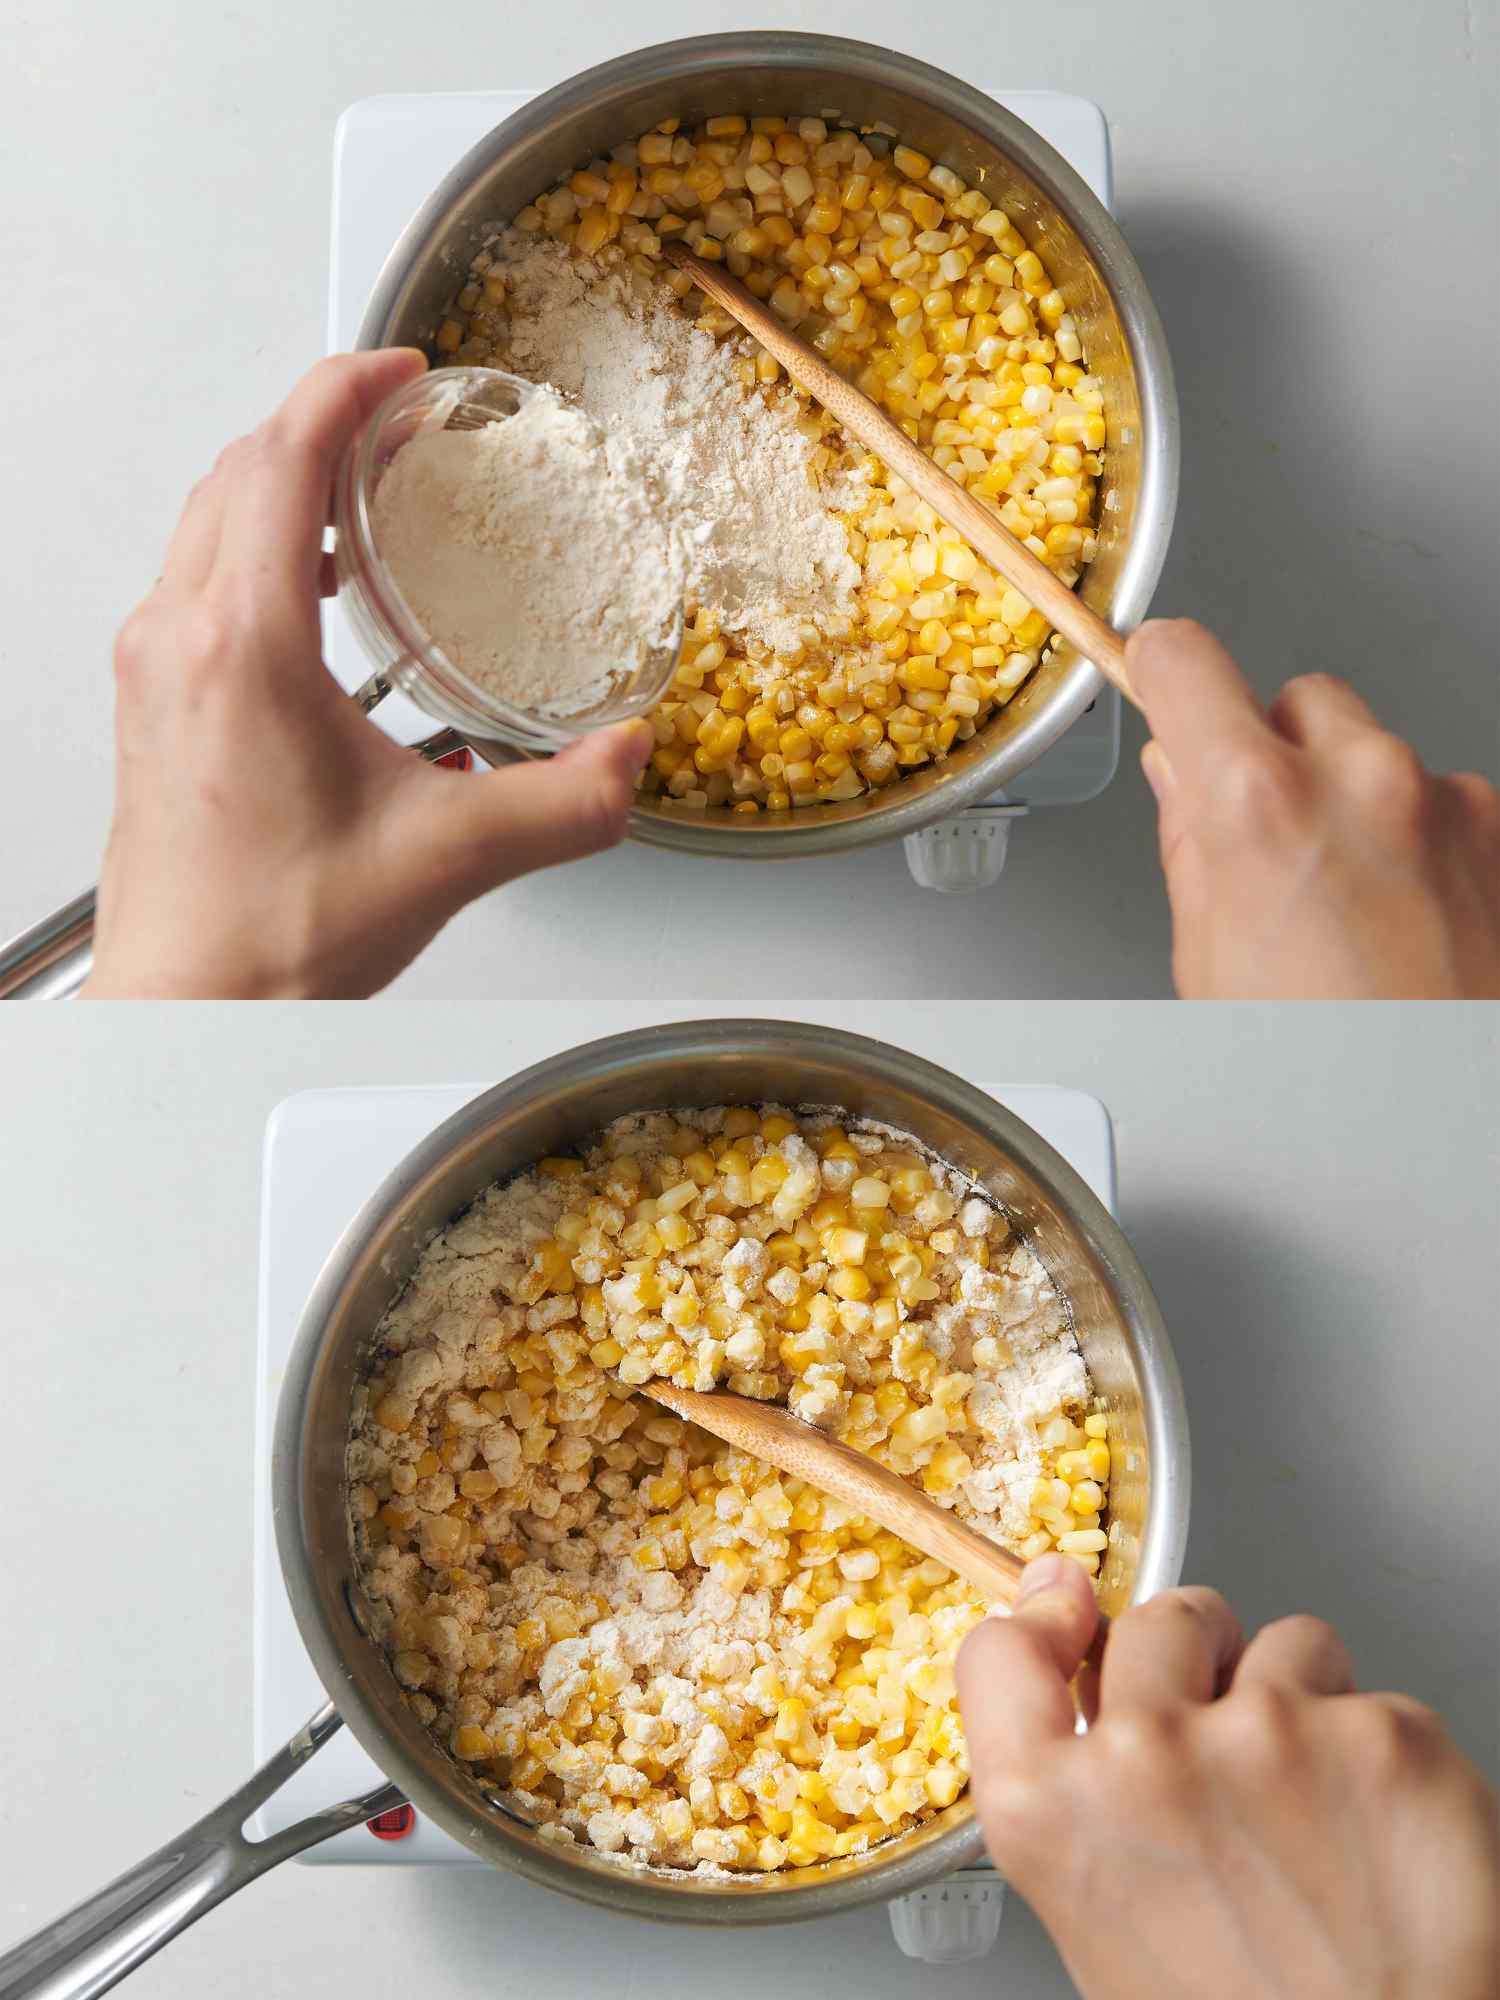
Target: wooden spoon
765	1430
1063	608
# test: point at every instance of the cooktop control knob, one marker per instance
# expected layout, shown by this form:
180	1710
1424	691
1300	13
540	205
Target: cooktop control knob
963	853
952	1921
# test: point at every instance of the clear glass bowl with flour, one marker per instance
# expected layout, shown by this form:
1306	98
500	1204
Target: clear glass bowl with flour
505	562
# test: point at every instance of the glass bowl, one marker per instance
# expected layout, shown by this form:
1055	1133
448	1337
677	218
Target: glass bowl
404	656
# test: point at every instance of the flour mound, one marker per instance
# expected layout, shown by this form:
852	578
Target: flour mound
534	552
734	469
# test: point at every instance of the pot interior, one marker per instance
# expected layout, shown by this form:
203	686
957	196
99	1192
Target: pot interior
550	1109
853	83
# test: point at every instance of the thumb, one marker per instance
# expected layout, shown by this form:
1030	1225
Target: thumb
1183	867
1013	1676
1170	819
1197	703
532	815
1013	1673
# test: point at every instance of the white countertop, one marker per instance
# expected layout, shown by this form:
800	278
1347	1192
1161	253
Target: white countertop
1293	193
1312	1195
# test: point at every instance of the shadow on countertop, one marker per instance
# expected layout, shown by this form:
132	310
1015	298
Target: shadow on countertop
1303	1497
1294	540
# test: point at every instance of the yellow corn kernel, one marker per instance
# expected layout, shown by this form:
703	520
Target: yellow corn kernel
809	1834
664	1491
593	231
924	1425
948	1467
862	1621
553	1264
729	1568
891	1398
886	1318
775	1127
846	1246
761	727
734	1802
767	1175
942	1784
791	1716
674	1231
1083	1541
849	1282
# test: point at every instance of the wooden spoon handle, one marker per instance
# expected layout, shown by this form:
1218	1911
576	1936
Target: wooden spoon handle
1063	608
763	1430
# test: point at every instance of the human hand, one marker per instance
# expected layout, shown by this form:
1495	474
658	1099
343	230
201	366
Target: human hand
1308	854
1237	1820
268	840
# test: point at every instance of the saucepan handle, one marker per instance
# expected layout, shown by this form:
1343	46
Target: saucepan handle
52	959
95	1945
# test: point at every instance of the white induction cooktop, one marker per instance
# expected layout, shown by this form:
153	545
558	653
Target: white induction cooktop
326	1152
391	152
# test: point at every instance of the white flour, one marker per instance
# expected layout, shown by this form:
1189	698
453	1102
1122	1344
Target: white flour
733	468
534	552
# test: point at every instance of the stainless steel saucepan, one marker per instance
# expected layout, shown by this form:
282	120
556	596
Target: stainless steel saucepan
823	76
550	1109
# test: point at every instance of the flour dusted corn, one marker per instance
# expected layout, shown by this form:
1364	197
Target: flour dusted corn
645	1640
926	295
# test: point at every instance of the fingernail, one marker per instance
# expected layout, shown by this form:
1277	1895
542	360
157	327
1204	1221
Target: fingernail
637	740
1158	772
1043	1574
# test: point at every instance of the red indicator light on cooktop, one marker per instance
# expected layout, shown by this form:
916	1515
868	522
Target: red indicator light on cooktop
393	1825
